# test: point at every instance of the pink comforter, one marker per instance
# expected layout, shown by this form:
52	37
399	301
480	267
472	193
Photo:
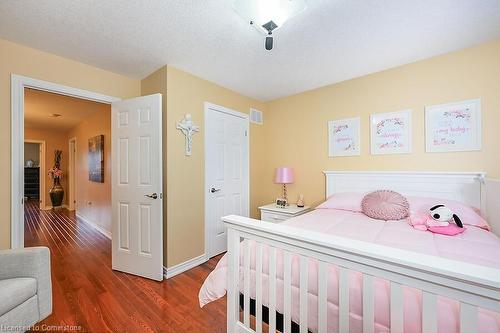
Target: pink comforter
475	245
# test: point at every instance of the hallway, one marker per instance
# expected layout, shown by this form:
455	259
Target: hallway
90	297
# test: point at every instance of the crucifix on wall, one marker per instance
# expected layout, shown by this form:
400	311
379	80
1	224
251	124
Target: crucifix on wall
188	128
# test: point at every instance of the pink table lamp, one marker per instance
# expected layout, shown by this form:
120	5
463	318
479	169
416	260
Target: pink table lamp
284	175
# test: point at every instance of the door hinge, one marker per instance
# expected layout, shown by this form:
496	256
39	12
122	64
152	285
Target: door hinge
246	133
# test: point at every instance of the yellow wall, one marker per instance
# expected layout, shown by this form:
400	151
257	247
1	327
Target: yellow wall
17	59
294	131
157	83
301	120
185	175
184	214
93	200
32	152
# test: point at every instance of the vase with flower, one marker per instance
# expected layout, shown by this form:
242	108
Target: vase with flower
56	192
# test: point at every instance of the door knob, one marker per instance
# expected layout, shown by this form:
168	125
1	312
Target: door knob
152	196
213	190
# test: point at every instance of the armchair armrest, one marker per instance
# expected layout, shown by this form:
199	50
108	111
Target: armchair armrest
31	262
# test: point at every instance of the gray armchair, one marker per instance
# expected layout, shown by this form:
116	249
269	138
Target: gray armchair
25	288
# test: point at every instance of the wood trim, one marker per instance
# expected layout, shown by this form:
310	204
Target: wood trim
18	83
42	165
17	154
185	266
72	171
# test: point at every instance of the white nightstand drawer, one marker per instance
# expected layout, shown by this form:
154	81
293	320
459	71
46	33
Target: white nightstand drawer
273	217
273	214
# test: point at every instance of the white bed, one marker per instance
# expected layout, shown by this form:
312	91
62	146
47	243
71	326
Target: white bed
471	285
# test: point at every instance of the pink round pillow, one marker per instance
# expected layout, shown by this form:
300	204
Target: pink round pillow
385	205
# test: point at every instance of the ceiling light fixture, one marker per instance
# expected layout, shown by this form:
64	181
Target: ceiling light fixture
268	15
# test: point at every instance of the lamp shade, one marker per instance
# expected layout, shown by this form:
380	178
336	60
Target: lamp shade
284	175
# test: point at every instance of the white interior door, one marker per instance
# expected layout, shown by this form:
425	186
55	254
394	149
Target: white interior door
137	239
226	172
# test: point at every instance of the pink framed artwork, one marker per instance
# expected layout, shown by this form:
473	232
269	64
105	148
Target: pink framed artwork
390	133
344	137
453	127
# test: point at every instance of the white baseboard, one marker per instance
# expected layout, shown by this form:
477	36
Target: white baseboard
103	231
50	207
185	266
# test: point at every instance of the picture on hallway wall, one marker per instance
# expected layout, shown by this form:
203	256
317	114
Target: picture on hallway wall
453	127
391	132
96	159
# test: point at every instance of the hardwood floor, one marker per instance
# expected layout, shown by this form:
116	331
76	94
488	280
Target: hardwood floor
88	294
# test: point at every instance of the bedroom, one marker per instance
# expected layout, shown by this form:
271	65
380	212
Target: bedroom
313	77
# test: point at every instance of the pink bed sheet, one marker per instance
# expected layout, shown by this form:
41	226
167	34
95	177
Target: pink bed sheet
475	245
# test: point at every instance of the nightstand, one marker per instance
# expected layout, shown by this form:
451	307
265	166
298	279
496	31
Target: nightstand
273	214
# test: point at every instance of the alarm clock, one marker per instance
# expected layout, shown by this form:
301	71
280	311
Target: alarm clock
281	203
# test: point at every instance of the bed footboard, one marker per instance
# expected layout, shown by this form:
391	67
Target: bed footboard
266	315
471	285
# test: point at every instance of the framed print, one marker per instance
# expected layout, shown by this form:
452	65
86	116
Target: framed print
390	133
453	127
344	137
96	159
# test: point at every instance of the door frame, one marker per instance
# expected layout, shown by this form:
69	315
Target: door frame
41	158
17	85
72	184
210	107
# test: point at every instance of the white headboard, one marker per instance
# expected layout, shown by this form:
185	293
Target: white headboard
492	187
466	187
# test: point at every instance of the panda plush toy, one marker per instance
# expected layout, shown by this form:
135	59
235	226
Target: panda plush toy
442	217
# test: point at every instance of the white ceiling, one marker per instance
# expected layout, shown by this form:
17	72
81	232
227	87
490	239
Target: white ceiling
332	41
40	105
